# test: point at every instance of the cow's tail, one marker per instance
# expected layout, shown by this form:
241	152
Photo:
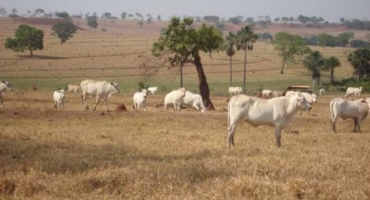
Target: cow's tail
332	109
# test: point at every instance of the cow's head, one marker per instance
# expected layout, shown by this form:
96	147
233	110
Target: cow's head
114	88
301	101
145	92
182	90
7	85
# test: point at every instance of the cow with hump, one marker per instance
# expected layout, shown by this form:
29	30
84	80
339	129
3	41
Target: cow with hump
277	112
175	98
356	110
99	89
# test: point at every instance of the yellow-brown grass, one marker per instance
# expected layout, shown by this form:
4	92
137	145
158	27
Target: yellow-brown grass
77	154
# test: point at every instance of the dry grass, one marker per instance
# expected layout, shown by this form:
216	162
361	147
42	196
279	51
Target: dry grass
76	154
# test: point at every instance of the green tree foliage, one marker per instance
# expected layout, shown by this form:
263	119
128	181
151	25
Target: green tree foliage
329	65
26	37
182	44
92	21
245	39
63	15
326	40
360	61
3	11
359	44
236	20
64	31
229	47
343	38
314	62
123	15
290	48
211	18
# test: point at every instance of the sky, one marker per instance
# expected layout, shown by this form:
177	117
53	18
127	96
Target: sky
330	10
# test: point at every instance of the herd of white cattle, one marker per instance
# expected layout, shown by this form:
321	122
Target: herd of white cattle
269	108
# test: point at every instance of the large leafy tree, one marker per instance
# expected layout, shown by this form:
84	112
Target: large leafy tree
330	64
314	62
245	40
360	60
26	37
64	31
229	46
290	48
92	21
182	44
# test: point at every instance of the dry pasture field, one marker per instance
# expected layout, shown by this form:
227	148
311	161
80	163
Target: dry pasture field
157	154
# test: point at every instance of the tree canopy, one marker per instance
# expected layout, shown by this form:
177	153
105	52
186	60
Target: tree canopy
26	37
64	31
290	48
314	62
180	44
360	61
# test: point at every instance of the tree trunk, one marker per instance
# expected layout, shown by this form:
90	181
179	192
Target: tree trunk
245	68
31	53
332	77
203	85
282	68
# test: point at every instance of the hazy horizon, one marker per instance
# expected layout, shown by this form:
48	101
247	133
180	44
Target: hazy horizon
330	10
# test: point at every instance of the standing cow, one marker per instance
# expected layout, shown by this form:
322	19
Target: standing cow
356	110
4	86
58	96
153	90
277	112
175	97
73	88
99	89
139	99
194	100
356	92
235	91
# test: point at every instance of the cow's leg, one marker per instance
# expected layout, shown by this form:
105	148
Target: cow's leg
278	136
230	135
86	106
96	102
106	104
196	106
1	103
356	124
333	122
55	105
165	106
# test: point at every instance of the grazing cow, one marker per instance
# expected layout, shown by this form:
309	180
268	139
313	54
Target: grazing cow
356	92
277	112
140	99
73	88
194	100
4	86
235	91
153	90
99	89
267	94
322	91
356	110
175	97
58	99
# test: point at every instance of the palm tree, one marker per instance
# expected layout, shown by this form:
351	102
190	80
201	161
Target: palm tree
314	63
246	38
230	42
330	64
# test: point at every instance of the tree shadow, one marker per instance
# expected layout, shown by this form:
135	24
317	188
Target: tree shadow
42	57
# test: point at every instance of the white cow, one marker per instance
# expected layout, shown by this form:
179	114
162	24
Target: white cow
311	98
175	97
277	112
58	96
356	92
322	91
356	110
267	94
194	100
99	89
153	90
235	91
140	99
4	86
73	88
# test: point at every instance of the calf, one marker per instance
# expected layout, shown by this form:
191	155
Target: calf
277	112
58	99
152	90
73	88
356	110
235	91
175	97
4	86
140	99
